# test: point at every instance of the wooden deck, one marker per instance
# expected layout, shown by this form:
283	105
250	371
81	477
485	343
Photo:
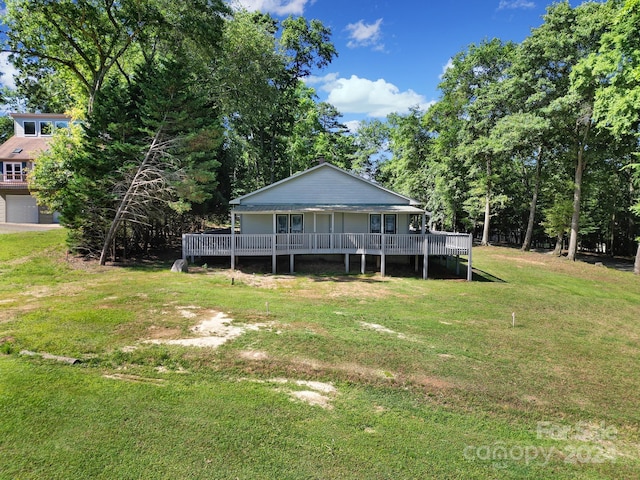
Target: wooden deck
236	245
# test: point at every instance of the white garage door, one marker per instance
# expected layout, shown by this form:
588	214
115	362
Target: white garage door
22	209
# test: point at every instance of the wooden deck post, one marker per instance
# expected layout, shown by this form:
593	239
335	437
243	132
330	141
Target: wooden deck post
233	240
333	229
425	263
184	246
469	263
363	261
291	263
346	263
382	256
274	258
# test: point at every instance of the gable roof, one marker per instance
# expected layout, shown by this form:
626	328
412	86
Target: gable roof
312	185
23	148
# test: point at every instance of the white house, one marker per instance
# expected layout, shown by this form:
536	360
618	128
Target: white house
32	134
327	211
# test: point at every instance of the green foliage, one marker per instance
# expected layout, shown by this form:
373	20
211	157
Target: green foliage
6	128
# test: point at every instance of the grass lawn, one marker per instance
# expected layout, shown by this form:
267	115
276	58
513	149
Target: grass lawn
333	376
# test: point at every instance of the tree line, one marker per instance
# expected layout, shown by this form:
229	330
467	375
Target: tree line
531	141
181	106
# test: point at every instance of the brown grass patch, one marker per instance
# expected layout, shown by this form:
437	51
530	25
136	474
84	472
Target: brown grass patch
155	332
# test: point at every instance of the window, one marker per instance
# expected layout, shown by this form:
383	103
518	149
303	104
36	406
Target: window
375	223
282	224
62	124
13	172
296	223
289	223
29	127
390	224
46	127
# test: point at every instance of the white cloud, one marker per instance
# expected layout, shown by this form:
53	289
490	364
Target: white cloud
277	7
8	70
377	98
446	67
328	79
365	34
352	125
515	4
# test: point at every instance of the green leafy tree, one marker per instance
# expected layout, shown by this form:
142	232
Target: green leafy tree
473	85
80	44
616	67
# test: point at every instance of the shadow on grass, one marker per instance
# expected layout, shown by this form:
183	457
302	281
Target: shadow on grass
316	270
320	270
482	276
616	262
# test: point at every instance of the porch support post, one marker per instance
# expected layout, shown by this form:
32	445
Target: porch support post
233	240
363	261
346	263
382	256
469	263
291	263
315	232
333	228
425	264
274	258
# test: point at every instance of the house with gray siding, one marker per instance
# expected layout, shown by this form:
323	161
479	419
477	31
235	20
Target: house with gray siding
326	211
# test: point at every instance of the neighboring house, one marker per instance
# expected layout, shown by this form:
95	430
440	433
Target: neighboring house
32	134
328	211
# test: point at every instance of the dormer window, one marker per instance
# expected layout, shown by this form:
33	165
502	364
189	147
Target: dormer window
62	124
46	128
29	127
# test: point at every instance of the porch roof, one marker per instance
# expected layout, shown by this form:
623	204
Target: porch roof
351	208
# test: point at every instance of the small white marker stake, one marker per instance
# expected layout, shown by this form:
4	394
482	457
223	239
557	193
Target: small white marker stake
513	319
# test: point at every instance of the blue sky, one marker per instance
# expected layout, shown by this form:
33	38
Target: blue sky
391	54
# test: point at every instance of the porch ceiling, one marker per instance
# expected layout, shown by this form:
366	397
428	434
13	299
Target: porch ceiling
300	208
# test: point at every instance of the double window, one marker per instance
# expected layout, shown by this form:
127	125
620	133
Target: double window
376	224
289	223
13	172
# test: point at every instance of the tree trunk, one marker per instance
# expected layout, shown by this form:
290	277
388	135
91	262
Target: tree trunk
557	251
636	265
526	246
126	200
577	196
487	207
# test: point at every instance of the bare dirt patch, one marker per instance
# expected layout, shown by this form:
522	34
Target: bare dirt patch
211	332
255	355
312	398
319	394
156	332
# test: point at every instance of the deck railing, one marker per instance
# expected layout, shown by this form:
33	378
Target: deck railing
13	180
211	245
